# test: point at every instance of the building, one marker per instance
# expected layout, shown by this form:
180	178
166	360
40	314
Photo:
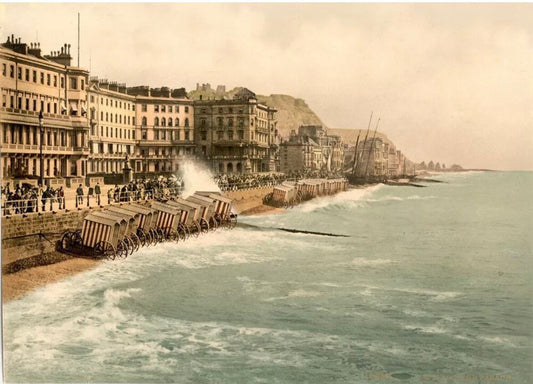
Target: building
112	136
33	83
312	149
238	135
164	130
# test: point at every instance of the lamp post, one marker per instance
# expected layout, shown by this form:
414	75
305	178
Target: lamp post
41	129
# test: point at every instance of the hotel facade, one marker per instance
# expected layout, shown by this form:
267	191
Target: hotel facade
237	135
93	127
34	84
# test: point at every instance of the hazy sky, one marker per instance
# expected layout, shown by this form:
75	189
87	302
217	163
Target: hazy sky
451	82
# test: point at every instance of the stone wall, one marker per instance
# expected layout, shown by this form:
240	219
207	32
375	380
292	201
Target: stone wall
247	199
34	236
30	241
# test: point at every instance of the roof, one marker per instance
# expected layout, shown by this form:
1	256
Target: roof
166	208
188	203
109	216
102	220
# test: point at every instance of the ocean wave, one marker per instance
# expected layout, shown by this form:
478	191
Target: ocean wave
298	293
339	200
436	295
430	330
363	262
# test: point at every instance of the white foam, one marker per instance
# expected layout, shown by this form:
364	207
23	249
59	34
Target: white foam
196	177
349	196
364	262
432	330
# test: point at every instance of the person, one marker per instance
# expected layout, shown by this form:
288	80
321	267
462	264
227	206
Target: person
79	196
97	192
61	198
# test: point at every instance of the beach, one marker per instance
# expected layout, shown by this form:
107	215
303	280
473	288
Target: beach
17	284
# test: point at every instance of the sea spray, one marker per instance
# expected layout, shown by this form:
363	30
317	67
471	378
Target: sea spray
196	177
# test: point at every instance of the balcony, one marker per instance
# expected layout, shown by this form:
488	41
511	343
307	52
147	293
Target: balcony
229	157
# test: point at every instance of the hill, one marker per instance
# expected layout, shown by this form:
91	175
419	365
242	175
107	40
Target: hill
292	112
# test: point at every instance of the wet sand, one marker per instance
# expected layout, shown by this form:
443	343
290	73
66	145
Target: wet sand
15	285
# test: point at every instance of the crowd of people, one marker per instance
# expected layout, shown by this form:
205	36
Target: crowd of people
233	182
145	189
27	198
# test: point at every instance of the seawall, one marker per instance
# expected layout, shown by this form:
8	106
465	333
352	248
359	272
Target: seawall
248	201
30	241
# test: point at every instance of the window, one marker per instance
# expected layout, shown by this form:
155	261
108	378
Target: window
220	122
220	110
186	121
156	133
177	121
156	121
55	109
143	108
163	122
204	135
82	84
47	79
170	108
62	82
12	71
230	110
27	74
42	77
203	122
177	135
170	121
219	135
19	103
230	135
230	122
241	135
55	80
4	69
241	122
163	108
156	108
73	83
27	104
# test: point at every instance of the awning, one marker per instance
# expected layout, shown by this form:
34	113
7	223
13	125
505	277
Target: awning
63	107
74	107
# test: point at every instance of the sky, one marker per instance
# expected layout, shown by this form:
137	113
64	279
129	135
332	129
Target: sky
451	82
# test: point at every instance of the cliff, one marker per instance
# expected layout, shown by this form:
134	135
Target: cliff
292	112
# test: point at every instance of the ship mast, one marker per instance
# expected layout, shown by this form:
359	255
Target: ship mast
364	144
371	148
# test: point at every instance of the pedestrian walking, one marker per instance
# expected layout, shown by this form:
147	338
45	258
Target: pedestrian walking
97	192
61	198
79	196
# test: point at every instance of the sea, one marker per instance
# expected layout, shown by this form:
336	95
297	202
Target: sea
430	285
